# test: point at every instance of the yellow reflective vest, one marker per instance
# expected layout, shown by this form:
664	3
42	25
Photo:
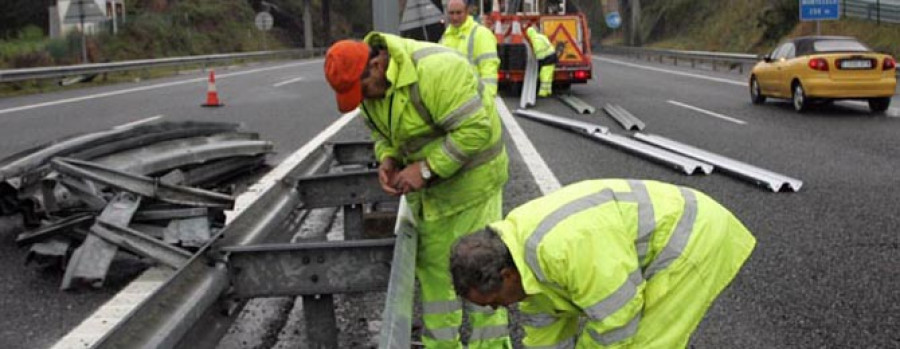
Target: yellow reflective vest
479	45
433	112
604	248
540	44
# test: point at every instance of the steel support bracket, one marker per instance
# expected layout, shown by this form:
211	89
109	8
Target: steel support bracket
273	270
339	189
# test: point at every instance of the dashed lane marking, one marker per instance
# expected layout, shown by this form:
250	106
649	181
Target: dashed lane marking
145	88
707	112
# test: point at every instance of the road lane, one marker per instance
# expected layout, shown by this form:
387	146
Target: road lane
821	274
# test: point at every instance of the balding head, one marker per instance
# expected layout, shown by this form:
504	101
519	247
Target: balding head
457	12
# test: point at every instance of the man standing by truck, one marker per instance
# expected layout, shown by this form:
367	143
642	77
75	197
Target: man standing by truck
546	55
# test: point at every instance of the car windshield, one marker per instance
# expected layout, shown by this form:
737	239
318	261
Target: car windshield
839	46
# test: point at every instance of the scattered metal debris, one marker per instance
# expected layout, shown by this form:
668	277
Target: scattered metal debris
623	117
770	180
529	84
576	103
684	164
585	128
79	200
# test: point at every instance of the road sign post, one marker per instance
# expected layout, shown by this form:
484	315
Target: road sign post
264	22
819	10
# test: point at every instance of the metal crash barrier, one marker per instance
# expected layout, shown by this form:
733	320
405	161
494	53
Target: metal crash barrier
198	304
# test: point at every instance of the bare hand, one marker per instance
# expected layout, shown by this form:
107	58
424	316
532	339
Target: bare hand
387	171
410	179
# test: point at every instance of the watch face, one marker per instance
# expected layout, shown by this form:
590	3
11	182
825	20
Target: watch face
426	173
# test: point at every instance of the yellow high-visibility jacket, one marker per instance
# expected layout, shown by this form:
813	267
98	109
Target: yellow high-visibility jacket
479	45
605	248
540	43
433	112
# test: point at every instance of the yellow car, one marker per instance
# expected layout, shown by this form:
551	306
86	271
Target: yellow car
824	68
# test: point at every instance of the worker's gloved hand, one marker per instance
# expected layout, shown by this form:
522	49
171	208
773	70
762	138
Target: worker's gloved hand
387	171
410	179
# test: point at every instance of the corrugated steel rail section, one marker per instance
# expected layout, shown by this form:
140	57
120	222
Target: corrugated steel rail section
684	164
623	117
10	75
770	180
198	304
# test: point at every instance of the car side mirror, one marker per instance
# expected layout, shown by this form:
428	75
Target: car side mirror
765	58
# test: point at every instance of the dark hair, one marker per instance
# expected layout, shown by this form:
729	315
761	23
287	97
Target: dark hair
374	51
476	261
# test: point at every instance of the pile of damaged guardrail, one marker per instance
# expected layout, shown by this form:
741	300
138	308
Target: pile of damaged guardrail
154	190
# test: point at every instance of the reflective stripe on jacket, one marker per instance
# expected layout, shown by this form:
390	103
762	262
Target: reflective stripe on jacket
540	44
432	111
479	45
590	249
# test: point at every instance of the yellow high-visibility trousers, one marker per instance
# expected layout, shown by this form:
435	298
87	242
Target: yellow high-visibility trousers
546	79
442	309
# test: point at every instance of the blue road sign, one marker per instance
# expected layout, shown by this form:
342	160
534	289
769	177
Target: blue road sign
613	20
819	10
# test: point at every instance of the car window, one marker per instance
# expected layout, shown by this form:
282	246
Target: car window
790	51
780	51
839	46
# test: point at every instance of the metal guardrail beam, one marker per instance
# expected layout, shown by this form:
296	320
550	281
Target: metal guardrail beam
580	106
10	75
350	153
768	179
189	304
569	124
529	84
334	190
397	317
272	270
684	164
142	185
106	142
623	117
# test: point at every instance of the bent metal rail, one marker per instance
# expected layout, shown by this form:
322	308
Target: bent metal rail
197	305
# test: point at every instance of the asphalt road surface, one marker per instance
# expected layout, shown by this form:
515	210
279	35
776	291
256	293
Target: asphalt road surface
825	270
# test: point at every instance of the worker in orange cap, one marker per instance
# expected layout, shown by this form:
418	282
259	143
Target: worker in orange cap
440	146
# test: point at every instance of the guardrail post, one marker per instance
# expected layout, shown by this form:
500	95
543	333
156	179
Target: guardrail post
878	12
693	63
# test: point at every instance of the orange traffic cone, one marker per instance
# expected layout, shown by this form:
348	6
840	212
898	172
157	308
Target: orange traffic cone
516	32
495	18
212	96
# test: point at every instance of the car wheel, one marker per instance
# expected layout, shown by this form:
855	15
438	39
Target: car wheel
756	95
798	97
879	105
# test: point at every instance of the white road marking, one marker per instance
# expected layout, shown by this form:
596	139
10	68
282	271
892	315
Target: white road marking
138	122
892	112
291	81
707	112
107	316
544	178
673	72
150	87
